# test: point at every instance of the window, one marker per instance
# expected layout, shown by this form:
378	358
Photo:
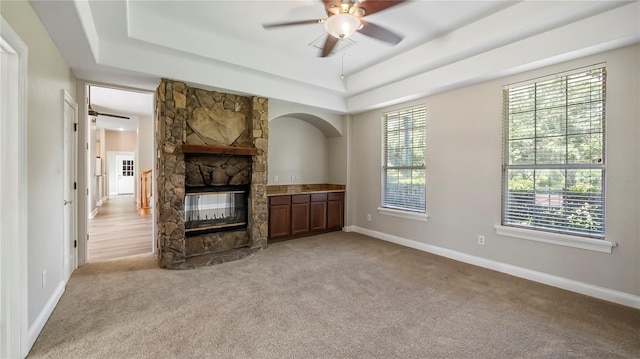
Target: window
554	163
127	168
403	170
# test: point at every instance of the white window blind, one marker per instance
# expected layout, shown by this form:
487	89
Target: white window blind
554	163
403	162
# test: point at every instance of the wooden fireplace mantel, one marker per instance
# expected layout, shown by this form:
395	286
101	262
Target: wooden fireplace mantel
219	150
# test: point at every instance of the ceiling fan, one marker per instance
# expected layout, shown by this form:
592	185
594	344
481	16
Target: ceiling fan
345	17
95	113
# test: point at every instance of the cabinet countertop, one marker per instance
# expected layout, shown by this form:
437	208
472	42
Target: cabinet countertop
287	190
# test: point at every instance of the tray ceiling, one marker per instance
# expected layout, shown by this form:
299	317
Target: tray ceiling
222	45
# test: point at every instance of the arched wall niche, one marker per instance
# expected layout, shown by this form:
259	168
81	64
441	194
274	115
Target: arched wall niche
326	127
306	145
330	124
298	152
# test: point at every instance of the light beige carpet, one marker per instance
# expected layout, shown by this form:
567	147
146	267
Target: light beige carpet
338	295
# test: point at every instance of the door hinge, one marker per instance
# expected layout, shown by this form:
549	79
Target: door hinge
75	244
75	185
75	127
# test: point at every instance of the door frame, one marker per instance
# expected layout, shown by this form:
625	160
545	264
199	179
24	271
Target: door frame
13	210
83	168
70	129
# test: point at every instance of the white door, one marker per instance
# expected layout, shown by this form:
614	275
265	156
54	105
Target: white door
125	174
70	140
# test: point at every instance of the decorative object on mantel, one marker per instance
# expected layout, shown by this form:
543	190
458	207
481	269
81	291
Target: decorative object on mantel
195	158
345	17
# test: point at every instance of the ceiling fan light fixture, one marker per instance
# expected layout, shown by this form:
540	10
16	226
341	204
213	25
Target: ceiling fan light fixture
342	25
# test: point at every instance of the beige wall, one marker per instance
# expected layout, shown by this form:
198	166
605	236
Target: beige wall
296	148
48	75
338	154
464	178
122	141
145	143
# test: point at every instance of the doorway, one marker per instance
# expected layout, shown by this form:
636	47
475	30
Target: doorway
120	173
121	144
124	172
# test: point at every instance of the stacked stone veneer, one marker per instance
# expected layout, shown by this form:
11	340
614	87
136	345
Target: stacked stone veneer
206	170
187	115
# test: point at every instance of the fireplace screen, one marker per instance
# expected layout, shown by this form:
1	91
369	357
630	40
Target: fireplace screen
215	211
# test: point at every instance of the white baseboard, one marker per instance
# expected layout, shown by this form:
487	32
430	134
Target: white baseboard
99	203
591	290
45	313
93	213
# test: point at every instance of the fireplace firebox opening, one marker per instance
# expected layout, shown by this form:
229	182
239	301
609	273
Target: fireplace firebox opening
215	209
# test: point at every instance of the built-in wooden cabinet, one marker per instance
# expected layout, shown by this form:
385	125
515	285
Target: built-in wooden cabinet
299	215
335	211
279	216
318	212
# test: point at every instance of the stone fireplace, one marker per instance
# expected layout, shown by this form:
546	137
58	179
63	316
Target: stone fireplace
212	173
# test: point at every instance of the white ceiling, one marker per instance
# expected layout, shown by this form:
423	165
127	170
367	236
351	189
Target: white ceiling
222	45
111	101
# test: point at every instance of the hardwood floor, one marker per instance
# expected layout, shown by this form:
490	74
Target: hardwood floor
119	231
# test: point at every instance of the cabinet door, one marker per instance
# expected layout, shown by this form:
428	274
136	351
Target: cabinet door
279	221
335	214
318	216
299	218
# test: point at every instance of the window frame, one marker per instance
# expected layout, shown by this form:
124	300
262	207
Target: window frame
393	210
562	236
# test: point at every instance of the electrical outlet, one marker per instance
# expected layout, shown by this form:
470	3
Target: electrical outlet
368	218
481	240
276	179
44	278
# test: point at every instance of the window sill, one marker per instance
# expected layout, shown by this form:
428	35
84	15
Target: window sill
403	214
598	245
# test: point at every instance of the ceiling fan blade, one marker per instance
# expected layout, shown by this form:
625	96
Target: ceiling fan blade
290	23
379	32
112	115
91	111
329	44
374	6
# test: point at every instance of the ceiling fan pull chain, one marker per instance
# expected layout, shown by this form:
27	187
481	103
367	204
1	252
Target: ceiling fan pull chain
342	69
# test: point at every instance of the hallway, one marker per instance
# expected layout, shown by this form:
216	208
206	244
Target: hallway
119	231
